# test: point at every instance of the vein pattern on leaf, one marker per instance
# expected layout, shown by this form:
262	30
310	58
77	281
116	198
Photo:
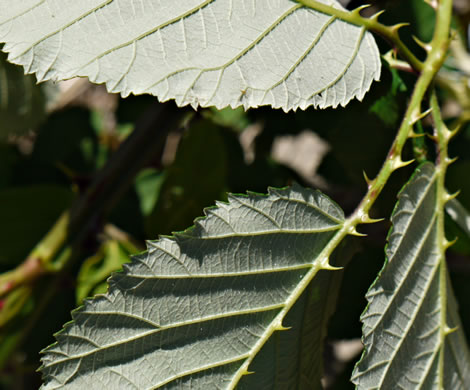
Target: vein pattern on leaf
403	330
204	53
193	308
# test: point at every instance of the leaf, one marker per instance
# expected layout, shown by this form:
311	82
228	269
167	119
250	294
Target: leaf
459	215
196	177
199	52
387	107
94	271
195	310
412	333
458	226
147	185
294	359
22	102
79	144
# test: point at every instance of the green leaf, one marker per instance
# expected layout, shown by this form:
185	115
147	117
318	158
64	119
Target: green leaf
96	269
199	52
387	107
147	185
196	177
458	226
22	102
459	214
412	332
197	308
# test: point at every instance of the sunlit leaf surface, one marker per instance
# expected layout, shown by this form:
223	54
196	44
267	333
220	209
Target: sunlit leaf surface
199	52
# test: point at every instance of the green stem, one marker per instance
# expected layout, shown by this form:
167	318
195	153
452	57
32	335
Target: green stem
38	261
442	136
420	149
430	68
390	33
412	63
48	247
434	61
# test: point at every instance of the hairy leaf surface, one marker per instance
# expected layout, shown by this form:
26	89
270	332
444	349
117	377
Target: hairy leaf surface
199	52
196	309
406	331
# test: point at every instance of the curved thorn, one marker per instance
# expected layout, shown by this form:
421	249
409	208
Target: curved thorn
399	163
417	117
398	26
448	330
451	196
330	267
376	15
367	219
282	327
360	8
425	46
454	131
449	160
413	134
354	232
448	244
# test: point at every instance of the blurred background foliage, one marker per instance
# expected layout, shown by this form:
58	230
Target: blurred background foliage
55	140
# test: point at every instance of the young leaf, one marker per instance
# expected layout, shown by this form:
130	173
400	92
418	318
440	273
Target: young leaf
196	309
199	52
412	333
